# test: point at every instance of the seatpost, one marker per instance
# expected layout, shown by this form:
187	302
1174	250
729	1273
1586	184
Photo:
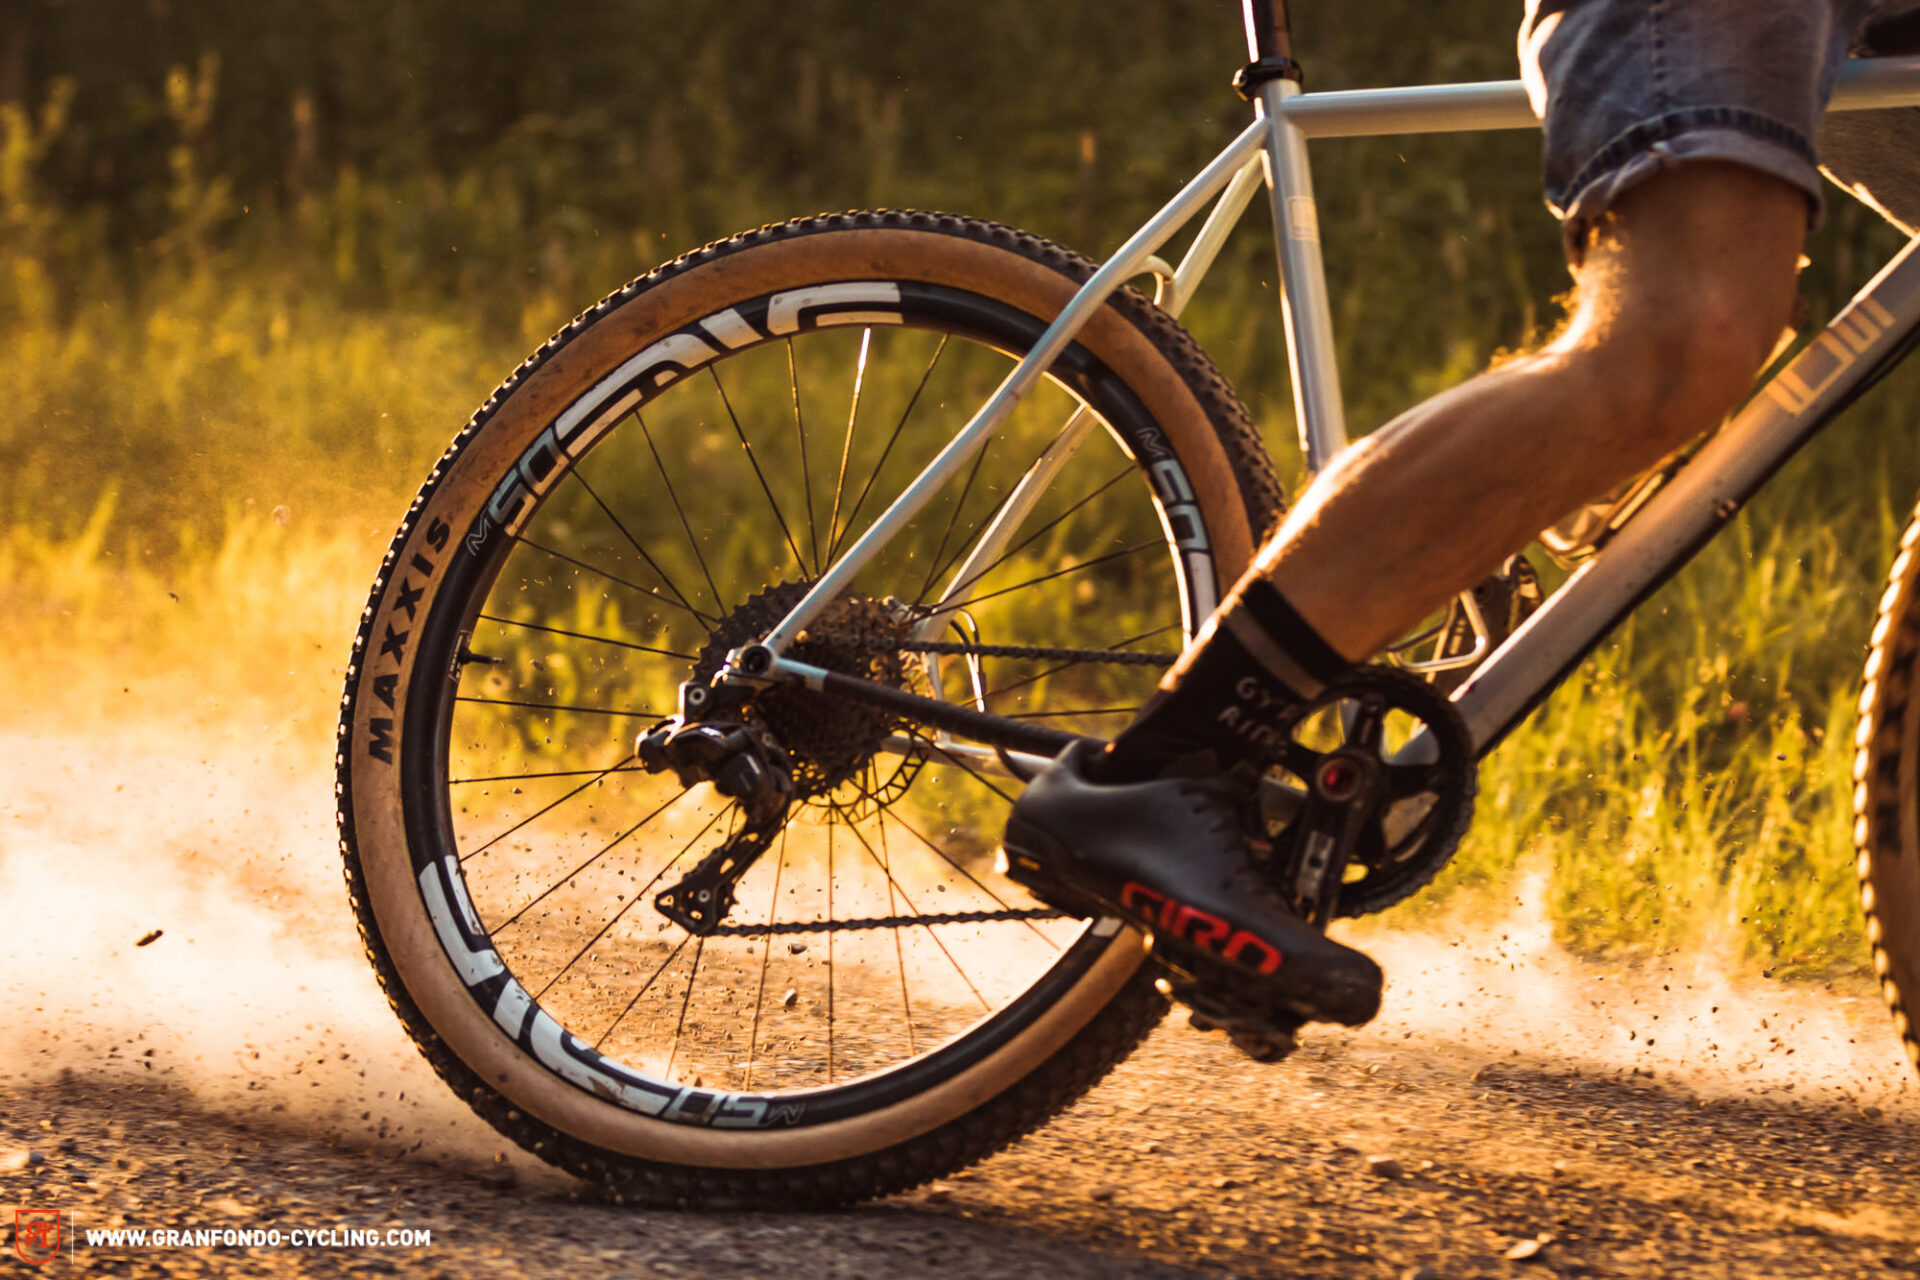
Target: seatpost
1268	82
1269	44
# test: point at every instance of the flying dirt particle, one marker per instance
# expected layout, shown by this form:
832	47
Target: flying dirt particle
1384	1167
148	939
786	1001
1526	1249
283	515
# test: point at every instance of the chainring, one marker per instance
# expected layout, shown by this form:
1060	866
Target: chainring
1431	801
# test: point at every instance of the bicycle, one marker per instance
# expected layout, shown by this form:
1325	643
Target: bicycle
674	751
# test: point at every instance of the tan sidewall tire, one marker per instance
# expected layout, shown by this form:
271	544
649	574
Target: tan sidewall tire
1886	773
373	816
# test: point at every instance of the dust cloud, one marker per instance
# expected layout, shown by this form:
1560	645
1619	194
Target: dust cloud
1497	987
255	997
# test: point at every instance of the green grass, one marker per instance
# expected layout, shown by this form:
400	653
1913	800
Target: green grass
1687	787
211	437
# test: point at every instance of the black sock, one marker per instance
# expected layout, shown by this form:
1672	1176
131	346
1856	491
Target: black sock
1254	658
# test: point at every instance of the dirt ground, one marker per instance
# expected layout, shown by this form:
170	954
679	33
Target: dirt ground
1513	1113
1353	1160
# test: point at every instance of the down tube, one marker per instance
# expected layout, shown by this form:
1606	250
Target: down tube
1796	402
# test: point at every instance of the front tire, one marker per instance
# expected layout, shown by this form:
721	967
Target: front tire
642	496
1886	795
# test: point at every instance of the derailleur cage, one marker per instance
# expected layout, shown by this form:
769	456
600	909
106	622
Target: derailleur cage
744	763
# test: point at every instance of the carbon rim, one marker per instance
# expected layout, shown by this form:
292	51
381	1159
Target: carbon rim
471	632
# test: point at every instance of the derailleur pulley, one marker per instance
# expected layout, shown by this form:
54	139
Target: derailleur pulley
744	763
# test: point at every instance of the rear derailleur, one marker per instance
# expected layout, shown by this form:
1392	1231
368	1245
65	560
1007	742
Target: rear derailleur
743	762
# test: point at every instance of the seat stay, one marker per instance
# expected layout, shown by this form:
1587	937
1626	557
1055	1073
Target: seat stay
1131	260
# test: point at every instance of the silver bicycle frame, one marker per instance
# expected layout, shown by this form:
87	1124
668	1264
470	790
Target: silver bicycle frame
1789	408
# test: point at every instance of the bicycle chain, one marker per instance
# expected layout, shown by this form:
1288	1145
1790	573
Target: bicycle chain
894	644
884	922
1039	653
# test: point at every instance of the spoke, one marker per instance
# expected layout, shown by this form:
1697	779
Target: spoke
830	947
800	433
766	954
1024	681
846	445
642	714
899	948
611	577
660	465
953	519
959	588
557	773
620	1017
853	512
976	881
754	462
618	524
629	905
980	778
1048	577
892	885
605	849
582	635
699	950
621	765
980	528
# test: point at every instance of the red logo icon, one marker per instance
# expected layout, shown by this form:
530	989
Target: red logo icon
1203	929
36	1235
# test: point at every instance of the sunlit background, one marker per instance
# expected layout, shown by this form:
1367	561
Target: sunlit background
258	263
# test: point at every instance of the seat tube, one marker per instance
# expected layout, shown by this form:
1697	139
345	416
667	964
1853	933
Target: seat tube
1303	283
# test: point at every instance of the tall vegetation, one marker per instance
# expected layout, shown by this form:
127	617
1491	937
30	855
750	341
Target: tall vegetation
258	261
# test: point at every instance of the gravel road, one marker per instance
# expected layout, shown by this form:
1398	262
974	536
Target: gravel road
1355	1160
1513	1113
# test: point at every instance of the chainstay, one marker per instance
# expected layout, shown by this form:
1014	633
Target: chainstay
884	922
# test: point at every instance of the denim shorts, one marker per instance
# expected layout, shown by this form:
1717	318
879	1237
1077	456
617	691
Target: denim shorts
1627	88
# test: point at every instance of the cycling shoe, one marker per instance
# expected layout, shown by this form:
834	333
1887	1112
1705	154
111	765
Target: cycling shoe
1174	855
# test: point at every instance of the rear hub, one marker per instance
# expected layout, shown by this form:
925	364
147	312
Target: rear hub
829	740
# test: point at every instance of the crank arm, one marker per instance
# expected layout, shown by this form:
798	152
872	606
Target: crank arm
1342	796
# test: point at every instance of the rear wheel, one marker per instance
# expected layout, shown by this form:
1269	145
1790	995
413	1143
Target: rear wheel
658	486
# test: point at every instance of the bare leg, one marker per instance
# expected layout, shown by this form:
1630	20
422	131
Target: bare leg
1680	299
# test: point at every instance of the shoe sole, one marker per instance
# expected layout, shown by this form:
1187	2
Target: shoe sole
1033	854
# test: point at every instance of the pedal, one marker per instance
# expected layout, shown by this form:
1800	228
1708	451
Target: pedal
1261	1034
1036	879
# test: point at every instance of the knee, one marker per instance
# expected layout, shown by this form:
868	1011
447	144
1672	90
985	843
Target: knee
1673	369
1684	297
